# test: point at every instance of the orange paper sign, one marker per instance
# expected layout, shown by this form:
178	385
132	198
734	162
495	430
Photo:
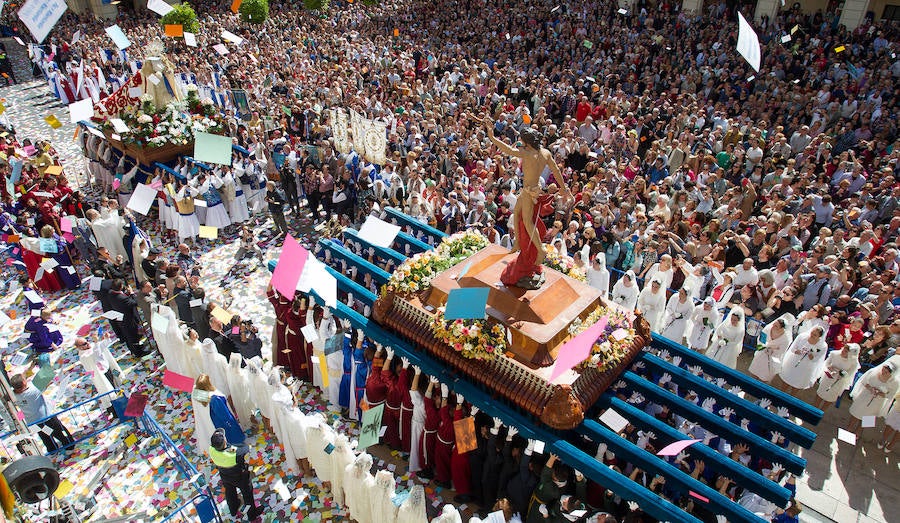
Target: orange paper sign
396	32
464	430
174	30
235	5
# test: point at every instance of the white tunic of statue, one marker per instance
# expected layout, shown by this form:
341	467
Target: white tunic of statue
239	386
318	436
626	295
170	341
97	361
412	510
215	366
838	374
728	339
418	429
341	456
598	274
325	330
767	361
381	498
871	396
797	369
357	480
703	324
678	314
653	305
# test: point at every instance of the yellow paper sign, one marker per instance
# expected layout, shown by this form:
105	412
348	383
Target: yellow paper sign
210	233
839	49
324	369
222	315
53	169
131	440
2	108
65	486
53	121
396	32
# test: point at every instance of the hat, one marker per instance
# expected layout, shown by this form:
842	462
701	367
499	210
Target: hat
795	247
853	348
217	440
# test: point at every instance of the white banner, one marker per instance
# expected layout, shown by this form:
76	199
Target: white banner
39	16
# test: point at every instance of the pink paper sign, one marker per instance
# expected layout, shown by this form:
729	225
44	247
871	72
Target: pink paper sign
698	496
235	330
290	266
178	381
674	448
577	349
136	404
65	224
69	237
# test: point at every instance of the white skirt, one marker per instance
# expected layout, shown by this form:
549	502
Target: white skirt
188	226
217	216
237	208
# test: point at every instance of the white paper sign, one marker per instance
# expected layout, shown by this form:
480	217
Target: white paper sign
95	283
142	199
118	37
748	43
113	315
33	297
159	7
614	420
622	11
76	37
190	39
118	125
378	232
39	16
49	264
4	319
195	303
868	422
785	39
221	49
81	110
846	436
316	277
310	334
231	37
199	202
539	446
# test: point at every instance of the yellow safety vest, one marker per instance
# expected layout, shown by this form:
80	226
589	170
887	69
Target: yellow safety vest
223	459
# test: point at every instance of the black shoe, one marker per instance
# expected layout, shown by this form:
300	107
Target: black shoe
254	513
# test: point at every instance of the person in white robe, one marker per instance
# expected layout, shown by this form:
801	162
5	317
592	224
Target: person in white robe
107	227
837	376
704	321
723	292
239	387
412	510
728	339
258	385
804	360
662	270
215	366
188	224
813	317
334	362
678	313
356	493
652	303
418	421
298	422
123	193
281	426
873	392
169	340
341	456
891	428
598	274
775	339
625	291
165	208
381	498
449	514
203	424
237	206
193	354
99	363
318	436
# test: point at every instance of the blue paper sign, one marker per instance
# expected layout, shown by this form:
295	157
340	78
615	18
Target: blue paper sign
467	303
48	245
118	37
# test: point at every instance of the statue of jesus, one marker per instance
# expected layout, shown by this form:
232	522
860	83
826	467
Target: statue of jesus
525	270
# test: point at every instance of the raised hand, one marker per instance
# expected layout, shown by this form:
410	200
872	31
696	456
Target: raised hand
511	432
405	361
783	412
666	378
765	403
676	360
636	398
708	404
727	412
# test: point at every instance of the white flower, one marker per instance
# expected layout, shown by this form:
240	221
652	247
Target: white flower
144	118
191	87
206	101
146	97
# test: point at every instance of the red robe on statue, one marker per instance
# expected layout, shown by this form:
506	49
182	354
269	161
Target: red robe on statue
459	463
524	264
406	410
443	447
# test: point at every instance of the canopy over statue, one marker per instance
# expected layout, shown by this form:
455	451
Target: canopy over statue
525	271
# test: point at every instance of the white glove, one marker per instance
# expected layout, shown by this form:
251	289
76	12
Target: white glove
676	360
727	412
765	403
352	272
636	398
543	510
681	457
735	390
434	381
445	390
459	399
666	378
696	370
745	424
619	385
777	468
496	428
390	354
417	370
350	300
601	450
529	449
367	311
371	251
474	410
579	476
721	519
708	404
638	365
664	354
776	436
406	249
405	361
720	382
633	506
783	412
512	431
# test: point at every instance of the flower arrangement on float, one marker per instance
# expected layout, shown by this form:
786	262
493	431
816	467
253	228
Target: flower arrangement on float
473	339
563	264
614	343
415	274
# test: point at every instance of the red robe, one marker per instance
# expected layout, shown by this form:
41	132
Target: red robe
376	388
429	437
524	264
280	304
50	281
406	410
459	463
392	408
299	358
443	446
286	336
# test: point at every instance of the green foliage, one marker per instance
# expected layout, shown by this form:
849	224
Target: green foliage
254	11
184	15
316	5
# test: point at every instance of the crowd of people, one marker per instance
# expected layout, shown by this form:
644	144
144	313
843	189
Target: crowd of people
735	209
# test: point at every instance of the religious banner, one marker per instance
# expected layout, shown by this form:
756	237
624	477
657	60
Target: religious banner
39	16
340	130
113	105
375	142
358	128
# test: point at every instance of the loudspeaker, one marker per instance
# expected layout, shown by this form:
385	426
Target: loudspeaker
32	478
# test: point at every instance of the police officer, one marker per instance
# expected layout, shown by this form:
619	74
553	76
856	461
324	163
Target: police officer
234	474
